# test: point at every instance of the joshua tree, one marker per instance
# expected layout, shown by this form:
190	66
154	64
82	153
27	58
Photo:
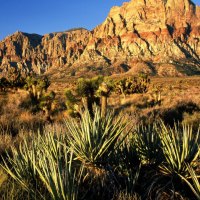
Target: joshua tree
72	103
42	86
84	96
30	86
86	89
133	85
46	103
143	82
71	99
104	91
36	87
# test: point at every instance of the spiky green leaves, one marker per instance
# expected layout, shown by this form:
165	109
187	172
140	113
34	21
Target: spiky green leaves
88	87
95	138
48	162
148	144
180	145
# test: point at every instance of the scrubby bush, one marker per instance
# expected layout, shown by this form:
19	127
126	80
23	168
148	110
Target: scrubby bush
132	85
87	93
40	99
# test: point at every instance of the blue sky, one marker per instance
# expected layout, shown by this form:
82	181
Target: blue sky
45	16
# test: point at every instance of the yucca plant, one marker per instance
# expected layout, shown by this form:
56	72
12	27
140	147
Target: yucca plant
147	144
59	176
195	178
180	145
95	138
45	162
127	165
20	165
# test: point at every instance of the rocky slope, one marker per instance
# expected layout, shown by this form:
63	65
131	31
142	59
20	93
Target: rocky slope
161	37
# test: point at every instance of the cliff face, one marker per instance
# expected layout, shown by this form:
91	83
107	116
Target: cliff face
31	52
156	36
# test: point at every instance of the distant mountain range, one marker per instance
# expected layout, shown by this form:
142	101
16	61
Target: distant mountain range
159	37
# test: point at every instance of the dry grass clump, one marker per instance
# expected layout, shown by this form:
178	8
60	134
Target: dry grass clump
6	141
171	99
192	119
15	116
126	196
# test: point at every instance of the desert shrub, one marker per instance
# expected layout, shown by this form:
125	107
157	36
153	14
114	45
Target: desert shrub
97	157
4	84
127	166
126	196
193	119
15	78
180	146
11	190
195	179
85	95
95	141
148	144
44	163
132	85
95	138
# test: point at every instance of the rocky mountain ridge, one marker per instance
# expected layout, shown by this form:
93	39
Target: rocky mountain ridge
160	37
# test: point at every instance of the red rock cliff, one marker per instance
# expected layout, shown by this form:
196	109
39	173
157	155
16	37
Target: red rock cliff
157	36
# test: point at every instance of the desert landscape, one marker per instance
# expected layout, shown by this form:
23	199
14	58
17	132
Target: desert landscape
111	113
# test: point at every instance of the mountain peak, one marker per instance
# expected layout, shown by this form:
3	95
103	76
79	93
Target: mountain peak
156	36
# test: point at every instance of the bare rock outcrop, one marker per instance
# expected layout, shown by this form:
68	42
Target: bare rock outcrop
143	35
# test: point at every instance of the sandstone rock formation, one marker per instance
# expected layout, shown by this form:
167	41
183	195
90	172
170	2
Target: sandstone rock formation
161	37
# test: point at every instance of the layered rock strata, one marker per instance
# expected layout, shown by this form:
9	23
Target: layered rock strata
161	37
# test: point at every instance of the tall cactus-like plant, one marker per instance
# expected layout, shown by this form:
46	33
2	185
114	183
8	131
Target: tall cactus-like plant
87	93
104	91
132	85
73	109
30	83
42	86
36	86
46	103
71	99
86	89
37	89
143	82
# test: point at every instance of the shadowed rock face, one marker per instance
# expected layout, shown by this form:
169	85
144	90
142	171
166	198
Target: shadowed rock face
156	36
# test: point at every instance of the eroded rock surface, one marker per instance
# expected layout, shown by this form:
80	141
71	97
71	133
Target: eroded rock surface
156	36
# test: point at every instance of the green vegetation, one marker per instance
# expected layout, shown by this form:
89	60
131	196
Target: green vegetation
85	93
98	89
95	138
111	148
180	146
132	85
46	162
97	156
13	80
